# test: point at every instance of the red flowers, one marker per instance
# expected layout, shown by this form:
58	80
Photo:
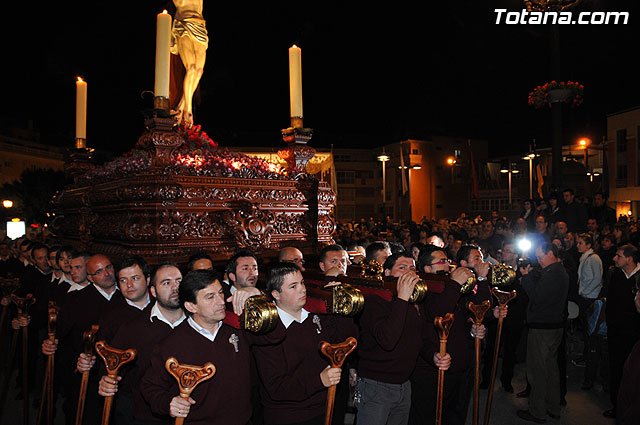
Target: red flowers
539	97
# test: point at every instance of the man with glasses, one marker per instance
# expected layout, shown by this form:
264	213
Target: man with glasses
458	361
291	254
623	320
83	308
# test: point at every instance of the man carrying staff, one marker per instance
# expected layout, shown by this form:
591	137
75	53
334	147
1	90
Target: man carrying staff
294	374
458	362
143	334
203	338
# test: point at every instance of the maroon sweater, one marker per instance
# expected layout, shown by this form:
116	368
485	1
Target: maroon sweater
460	343
224	399
291	389
390	339
142	334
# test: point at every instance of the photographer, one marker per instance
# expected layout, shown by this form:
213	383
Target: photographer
547	292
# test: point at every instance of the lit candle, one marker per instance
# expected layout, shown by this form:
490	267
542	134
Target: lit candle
81	109
163	53
295	81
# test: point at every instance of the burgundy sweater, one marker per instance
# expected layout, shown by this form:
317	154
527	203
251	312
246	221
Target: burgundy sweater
142	334
224	399
390	339
291	388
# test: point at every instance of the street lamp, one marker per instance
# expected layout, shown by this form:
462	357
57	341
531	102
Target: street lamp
509	168
451	161
530	159
7	203
584	144
383	158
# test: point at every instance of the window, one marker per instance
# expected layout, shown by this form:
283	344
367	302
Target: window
621	158
345	177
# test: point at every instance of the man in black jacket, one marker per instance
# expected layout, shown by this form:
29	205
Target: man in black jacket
547	292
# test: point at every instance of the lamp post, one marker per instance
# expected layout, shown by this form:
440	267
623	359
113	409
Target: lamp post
530	159
451	161
383	158
510	168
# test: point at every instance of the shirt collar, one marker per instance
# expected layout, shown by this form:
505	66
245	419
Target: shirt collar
202	331
633	272
287	319
104	294
157	313
132	304
76	286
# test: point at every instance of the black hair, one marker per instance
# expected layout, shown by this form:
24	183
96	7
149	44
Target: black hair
195	281
277	273
393	258
66	249
587	238
426	258
134	261
374	247
465	251
159	267
629	250
329	248
232	265
200	255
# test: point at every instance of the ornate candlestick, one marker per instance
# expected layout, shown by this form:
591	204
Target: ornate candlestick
161	139
298	153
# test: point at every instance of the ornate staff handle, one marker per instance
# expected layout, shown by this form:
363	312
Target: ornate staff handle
188	377
478	311
503	298
88	337
337	354
47	383
113	358
23	304
443	327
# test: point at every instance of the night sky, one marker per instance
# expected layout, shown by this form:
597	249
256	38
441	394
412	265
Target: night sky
371	74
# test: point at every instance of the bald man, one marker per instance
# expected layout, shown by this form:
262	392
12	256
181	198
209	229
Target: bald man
291	254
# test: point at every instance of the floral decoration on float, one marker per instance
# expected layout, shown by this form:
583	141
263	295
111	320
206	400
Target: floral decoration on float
199	155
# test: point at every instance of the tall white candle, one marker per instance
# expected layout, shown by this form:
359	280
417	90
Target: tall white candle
163	54
295	81
81	109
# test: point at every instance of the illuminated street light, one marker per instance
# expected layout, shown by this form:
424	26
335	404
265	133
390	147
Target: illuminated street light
7	203
383	158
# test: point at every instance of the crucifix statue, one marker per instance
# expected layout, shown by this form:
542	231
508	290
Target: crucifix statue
190	40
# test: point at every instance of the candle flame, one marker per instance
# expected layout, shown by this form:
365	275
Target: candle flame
80	80
164	12
294	46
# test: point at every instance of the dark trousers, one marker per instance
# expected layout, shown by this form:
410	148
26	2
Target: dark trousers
542	371
424	399
620	343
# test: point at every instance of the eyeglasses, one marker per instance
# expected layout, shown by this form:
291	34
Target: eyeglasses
296	260
442	261
101	271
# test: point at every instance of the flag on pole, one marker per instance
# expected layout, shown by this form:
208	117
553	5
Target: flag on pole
405	187
474	177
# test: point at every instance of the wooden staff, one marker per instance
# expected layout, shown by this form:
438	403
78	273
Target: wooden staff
87	338
443	326
23	305
478	311
7	286
47	384
113	358
337	353
188	377
503	298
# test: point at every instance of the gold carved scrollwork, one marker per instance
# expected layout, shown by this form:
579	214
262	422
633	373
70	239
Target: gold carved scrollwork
347	300
260	315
